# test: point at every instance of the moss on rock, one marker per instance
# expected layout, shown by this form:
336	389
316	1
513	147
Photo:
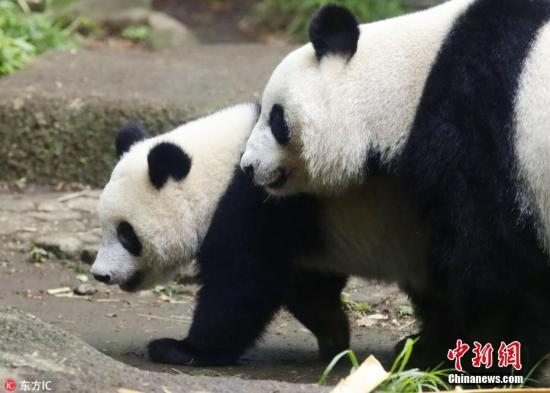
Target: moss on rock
58	140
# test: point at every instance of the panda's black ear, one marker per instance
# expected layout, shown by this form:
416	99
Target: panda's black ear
334	30
127	136
167	160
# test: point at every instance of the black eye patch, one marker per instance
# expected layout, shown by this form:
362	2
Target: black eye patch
128	238
278	125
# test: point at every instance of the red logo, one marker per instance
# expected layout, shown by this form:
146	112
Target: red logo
508	355
10	385
458	353
483	355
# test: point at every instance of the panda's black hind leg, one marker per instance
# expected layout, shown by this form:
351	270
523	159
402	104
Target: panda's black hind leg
314	298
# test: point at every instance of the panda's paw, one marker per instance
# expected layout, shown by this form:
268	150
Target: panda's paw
170	351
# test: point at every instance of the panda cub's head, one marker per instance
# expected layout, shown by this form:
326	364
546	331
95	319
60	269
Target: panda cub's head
141	213
157	206
303	106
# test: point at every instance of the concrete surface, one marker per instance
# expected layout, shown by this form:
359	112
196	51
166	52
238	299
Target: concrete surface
58	117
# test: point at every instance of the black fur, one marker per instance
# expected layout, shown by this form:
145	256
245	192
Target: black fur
128	238
278	126
490	277
167	160
334	30
127	136
247	274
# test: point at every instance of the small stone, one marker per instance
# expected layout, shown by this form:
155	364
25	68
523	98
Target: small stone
85	289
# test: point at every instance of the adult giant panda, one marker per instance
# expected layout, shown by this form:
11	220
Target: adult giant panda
181	196
454	104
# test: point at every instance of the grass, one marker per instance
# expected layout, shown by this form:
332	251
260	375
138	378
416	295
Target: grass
25	33
413	380
38	254
169	290
399	379
356	308
136	33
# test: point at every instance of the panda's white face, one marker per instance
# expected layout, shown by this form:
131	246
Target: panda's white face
296	144
148	233
158	204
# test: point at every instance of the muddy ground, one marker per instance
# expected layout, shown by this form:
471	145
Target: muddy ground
46	240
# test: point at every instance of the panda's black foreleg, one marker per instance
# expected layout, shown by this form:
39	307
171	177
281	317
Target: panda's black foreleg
437	324
314	298
233	309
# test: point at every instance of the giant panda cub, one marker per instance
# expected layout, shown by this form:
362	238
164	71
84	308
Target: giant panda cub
453	103
181	196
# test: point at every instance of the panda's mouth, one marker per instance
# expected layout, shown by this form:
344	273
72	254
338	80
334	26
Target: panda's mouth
280	180
133	283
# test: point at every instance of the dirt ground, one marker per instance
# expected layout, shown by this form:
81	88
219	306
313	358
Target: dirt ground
120	324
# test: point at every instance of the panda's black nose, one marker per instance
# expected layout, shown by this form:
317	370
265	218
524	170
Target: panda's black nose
249	171
103	278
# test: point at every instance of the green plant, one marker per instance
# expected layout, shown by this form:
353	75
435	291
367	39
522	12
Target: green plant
25	33
413	380
136	33
357	308
354	365
170	289
292	16
38	254
399	380
405	310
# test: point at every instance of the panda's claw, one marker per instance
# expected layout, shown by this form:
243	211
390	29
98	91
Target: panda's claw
170	351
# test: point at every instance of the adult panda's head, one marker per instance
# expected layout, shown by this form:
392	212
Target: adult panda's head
157	206
302	111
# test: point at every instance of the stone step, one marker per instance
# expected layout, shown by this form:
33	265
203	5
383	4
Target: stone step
58	118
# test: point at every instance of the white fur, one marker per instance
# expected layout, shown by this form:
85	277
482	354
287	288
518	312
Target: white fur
372	231
337	111
533	131
171	222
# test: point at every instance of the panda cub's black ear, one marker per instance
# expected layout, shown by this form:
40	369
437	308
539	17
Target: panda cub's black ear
334	30
167	160
127	136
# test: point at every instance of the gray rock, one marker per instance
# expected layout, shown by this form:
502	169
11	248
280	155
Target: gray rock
62	245
85	289
167	32
33	350
135	16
